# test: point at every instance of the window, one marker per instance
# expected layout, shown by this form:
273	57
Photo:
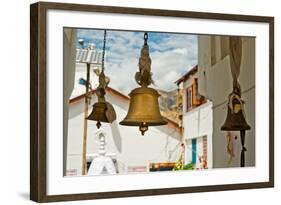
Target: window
193	97
189	98
196	87
196	96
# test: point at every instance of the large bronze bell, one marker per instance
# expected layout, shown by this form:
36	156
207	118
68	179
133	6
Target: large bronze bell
143	109
235	119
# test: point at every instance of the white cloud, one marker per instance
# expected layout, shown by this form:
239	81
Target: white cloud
172	55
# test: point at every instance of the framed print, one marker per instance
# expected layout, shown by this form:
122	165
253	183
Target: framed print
134	102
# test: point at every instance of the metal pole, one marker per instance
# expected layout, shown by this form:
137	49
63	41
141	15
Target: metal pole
85	121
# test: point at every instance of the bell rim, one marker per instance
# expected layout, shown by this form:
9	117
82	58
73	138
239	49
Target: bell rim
225	128
138	123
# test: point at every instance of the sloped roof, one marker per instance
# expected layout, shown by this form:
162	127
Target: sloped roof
92	92
186	75
122	97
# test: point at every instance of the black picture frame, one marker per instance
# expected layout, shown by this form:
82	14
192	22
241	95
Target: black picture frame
38	103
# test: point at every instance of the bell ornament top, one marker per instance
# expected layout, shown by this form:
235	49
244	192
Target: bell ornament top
143	76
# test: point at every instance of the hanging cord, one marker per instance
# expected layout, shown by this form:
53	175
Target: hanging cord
109	111
235	47
103	50
235	63
103	82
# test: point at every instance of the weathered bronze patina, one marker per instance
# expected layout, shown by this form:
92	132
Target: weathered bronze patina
144	108
102	111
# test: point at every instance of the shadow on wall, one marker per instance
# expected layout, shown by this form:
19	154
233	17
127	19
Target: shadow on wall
116	135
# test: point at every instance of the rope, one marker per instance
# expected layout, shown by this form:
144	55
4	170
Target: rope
103	50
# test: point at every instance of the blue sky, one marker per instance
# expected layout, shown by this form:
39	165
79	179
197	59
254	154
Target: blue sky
172	55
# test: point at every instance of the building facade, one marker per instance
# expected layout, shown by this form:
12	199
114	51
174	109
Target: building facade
215	83
196	122
130	151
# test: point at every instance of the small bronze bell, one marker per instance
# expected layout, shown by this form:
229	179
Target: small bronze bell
235	119
144	108
102	112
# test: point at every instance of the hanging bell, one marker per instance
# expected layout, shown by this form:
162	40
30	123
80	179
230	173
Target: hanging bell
144	108
235	119
102	112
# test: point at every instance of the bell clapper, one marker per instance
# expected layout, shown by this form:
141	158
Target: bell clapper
98	124
143	128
